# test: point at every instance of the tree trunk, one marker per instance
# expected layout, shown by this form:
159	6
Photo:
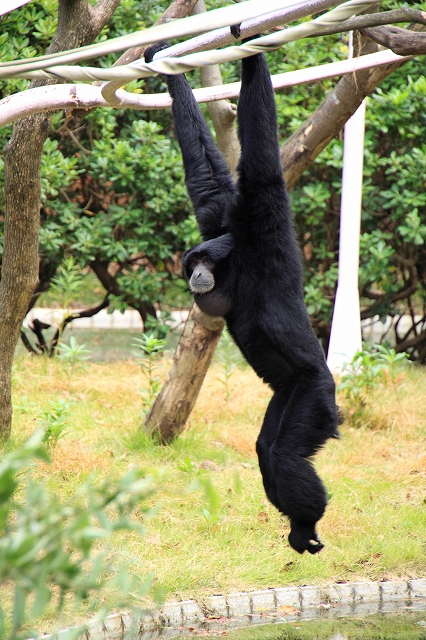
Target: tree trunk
172	407
178	395
78	24
201	333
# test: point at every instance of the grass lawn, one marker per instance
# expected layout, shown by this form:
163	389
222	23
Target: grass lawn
227	538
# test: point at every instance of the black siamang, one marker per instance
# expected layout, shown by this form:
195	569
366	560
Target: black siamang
248	269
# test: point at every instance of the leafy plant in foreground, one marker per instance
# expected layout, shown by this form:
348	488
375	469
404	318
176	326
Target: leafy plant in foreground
48	547
361	375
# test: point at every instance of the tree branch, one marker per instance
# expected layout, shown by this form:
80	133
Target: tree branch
100	268
82	97
27	344
88	313
400	41
177	9
102	12
22	210
326	122
399	295
412	342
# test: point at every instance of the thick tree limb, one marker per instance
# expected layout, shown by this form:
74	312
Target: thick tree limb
326	122
178	9
400	41
378	19
81	97
192	358
217	18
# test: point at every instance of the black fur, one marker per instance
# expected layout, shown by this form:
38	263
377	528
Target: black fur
249	236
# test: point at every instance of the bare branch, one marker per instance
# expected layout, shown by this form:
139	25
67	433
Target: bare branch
412	342
400	41
88	313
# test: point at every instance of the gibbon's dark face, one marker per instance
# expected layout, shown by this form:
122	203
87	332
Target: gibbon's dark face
200	275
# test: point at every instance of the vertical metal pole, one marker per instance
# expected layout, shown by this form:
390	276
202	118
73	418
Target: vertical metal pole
345	337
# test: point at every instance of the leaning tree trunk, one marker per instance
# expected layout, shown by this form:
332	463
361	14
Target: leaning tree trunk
190	363
78	24
177	397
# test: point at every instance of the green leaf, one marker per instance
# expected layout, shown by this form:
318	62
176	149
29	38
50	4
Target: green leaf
42	598
18	614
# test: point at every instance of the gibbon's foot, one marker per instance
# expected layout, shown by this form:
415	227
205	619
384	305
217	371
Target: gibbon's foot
303	537
155	48
314	547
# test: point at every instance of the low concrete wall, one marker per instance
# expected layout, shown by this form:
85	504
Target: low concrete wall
245	609
130	319
372	329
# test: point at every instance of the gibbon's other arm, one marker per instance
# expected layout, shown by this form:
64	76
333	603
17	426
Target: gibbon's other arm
208	179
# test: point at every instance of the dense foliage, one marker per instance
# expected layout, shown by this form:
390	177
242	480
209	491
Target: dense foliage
113	193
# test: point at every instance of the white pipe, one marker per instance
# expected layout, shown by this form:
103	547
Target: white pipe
345	339
10	5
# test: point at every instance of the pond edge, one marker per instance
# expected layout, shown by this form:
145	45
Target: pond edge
244	609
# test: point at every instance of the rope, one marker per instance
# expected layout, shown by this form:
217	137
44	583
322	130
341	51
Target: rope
195	60
175	29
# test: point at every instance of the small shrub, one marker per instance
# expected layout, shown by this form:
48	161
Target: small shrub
369	368
73	356
55	422
151	349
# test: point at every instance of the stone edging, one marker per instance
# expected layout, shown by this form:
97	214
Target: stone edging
267	605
